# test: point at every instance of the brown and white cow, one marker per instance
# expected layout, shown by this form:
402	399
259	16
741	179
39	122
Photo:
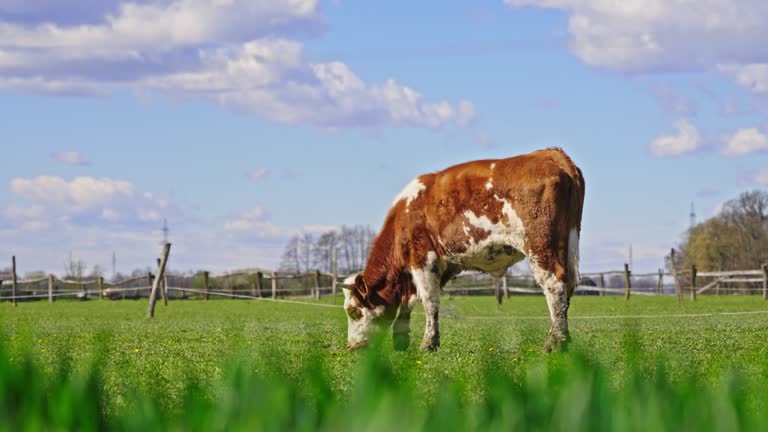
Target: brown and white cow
484	215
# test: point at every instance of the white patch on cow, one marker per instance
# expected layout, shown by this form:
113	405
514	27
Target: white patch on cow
427	285
510	232
482	255
554	290
350	280
493	165
426	281
410	192
489	185
358	330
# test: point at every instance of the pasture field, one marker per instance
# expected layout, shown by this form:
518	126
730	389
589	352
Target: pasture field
651	359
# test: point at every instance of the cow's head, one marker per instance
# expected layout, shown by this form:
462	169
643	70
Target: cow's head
361	314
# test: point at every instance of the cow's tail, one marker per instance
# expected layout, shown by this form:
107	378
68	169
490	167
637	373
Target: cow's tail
575	207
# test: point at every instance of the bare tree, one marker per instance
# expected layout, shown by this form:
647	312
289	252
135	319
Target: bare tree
307	253
355	246
96	272
306	248
322	256
74	268
290	260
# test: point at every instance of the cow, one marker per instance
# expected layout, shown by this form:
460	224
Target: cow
484	216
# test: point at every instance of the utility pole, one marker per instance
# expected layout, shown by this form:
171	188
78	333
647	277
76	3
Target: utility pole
165	231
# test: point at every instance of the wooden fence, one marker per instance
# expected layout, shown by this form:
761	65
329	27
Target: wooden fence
273	285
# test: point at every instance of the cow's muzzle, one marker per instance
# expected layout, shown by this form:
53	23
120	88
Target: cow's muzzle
357	345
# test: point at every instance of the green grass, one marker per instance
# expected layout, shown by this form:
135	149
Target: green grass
490	358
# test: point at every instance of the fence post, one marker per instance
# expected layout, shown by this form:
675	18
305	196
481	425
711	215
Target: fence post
627	281
13	281
274	285
335	274
165	288
602	284
660	283
100	285
260	283
693	282
317	284
158	280
50	288
253	289
205	284
765	282
149	282
717	286
162	286
678	290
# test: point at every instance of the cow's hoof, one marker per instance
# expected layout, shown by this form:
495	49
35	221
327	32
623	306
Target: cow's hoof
430	346
556	343
401	341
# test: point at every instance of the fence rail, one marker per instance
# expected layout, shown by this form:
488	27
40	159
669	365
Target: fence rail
263	284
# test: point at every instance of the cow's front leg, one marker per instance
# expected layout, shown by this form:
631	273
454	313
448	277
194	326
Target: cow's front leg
428	288
431	339
401	330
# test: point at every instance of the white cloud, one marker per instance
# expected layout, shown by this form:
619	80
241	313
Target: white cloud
240	54
35	226
84	201
110	215
148	215
272	79
745	141
155	26
642	35
256	223
82	192
752	76
70	158
258	174
55	87
44	232
15	212
686	140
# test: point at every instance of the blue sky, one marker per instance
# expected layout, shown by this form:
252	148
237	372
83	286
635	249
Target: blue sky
245	122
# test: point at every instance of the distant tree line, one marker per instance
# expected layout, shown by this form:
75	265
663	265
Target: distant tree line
309	252
735	239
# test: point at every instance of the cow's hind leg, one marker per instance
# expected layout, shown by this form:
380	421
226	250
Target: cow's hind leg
401	329
427	285
557	292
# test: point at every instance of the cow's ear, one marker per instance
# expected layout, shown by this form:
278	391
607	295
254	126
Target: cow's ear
360	285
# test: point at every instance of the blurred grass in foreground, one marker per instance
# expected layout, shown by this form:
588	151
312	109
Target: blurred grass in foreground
560	392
